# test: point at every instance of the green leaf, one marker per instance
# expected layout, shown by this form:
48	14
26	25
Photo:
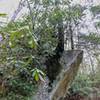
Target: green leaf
41	72
95	9
36	76
32	43
3	15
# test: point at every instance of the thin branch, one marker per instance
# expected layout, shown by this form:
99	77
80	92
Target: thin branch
17	11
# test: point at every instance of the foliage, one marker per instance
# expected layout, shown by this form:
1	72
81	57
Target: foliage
84	85
19	58
3	15
98	24
95	9
92	38
27	43
21	87
37	74
81	83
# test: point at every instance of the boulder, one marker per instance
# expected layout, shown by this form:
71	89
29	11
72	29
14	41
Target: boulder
70	62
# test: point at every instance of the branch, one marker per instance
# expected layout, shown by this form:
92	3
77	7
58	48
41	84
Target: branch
16	12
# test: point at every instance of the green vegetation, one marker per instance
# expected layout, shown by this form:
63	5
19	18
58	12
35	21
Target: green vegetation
26	43
95	9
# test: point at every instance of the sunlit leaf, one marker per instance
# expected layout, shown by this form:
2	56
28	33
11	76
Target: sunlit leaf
37	74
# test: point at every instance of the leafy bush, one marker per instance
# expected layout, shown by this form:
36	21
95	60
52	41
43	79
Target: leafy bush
21	87
84	85
95	9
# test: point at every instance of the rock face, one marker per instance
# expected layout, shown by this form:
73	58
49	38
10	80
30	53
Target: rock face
70	62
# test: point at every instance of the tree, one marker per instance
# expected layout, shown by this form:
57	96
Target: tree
39	38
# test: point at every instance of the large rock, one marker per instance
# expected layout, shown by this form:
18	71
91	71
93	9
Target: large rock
70	62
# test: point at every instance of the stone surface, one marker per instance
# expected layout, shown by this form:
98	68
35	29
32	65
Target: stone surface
70	62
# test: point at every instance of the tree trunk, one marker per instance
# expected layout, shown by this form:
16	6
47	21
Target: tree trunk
52	63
